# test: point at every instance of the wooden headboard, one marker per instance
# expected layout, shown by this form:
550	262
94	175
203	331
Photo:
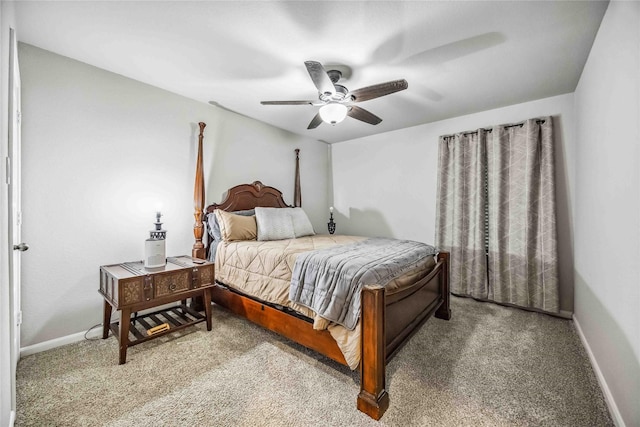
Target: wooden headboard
240	197
249	196
246	196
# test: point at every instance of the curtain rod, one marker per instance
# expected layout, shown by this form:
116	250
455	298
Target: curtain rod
490	130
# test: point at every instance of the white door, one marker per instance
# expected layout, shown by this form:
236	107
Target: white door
15	211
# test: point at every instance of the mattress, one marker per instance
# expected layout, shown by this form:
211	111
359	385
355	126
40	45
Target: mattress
262	269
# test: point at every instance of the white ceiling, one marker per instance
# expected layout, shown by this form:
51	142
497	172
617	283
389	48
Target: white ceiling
458	57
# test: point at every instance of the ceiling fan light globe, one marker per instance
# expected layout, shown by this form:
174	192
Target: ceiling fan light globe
333	113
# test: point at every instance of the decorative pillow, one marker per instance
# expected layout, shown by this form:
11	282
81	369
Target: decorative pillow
301	224
214	227
236	227
214	231
274	224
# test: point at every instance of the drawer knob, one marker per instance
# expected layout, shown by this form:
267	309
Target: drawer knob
172	287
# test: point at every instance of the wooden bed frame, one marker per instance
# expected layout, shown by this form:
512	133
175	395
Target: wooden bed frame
387	322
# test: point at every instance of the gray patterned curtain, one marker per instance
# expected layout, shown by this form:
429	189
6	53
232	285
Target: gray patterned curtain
523	254
460	211
496	214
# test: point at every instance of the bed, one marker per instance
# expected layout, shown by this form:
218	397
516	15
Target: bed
388	315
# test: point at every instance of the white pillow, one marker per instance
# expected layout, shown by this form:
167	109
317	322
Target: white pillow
274	224
301	224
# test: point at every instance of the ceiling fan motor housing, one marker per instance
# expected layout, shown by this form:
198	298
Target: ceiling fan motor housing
334	75
338	96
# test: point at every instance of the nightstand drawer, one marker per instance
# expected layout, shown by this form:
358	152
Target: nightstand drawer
168	284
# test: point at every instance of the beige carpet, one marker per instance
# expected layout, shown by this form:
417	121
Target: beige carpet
488	366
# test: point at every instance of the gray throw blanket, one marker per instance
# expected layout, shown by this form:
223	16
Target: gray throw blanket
329	280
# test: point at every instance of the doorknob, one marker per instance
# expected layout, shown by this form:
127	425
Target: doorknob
21	247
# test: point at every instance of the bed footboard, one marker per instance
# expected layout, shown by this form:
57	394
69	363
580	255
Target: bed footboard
383	336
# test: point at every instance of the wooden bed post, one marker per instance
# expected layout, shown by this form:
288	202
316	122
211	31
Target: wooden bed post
444	312
198	250
297	195
373	399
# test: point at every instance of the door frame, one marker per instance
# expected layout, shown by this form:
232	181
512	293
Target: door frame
10	312
15	214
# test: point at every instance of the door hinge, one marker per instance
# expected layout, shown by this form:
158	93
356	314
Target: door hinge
8	170
19	318
19	218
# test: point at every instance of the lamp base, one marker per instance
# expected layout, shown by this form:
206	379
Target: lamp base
154	253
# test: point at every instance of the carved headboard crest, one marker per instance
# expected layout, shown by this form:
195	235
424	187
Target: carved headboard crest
249	196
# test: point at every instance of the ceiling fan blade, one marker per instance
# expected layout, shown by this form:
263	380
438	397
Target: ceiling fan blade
315	122
320	77
375	91
287	102
363	115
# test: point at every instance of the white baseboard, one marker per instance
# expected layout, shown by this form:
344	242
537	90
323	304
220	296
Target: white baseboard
12	418
608	397
57	342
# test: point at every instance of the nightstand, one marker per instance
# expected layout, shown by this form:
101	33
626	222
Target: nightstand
130	287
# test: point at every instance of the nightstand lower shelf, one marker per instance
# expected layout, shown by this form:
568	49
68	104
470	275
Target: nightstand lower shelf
177	317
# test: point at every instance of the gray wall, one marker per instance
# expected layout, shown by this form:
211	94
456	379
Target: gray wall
607	205
100	151
386	184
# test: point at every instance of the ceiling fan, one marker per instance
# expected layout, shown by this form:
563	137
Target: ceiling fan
336	100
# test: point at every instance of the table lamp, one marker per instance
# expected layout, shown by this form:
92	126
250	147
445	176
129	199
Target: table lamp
154	247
